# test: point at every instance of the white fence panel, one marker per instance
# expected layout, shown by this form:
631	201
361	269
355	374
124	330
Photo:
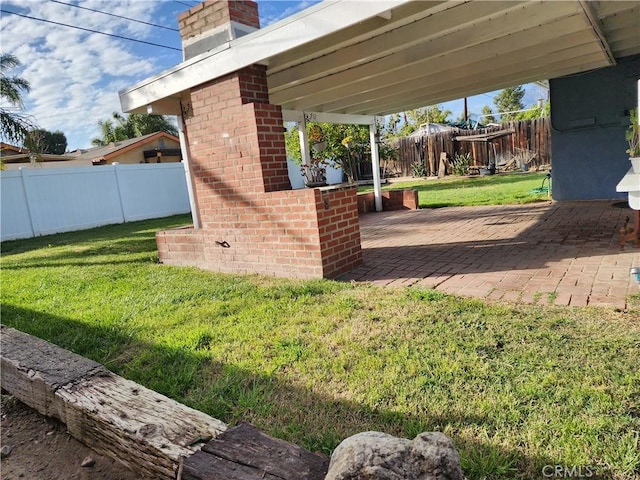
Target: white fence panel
154	192
14	209
42	201
334	175
66	199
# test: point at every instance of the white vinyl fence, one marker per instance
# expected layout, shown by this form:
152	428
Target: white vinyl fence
334	175
41	201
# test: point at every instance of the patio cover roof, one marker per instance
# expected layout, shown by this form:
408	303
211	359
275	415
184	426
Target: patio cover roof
380	57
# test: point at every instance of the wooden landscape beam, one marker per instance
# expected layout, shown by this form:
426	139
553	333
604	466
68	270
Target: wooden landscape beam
259	456
153	435
147	432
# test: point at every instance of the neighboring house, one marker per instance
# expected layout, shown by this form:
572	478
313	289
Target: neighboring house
7	150
13	158
159	147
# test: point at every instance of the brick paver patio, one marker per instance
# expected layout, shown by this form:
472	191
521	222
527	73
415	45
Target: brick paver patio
565	253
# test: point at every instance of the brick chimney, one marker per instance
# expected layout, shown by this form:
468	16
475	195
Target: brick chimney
250	219
215	22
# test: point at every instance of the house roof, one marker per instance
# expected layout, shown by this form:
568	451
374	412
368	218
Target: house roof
376	58
42	157
7	149
12	154
112	150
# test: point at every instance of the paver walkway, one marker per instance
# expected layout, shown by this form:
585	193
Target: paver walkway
565	253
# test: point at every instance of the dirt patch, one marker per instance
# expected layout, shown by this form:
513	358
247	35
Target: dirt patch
41	449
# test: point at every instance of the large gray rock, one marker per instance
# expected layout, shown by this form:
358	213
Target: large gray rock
378	456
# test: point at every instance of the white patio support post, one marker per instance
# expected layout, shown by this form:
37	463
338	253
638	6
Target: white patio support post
304	142
187	172
375	162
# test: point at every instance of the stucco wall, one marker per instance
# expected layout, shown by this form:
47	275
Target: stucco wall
589	118
136	155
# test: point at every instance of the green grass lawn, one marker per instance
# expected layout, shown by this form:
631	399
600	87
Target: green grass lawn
516	387
500	189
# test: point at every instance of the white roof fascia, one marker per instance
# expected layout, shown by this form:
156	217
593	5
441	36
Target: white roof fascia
254	48
596	26
321	117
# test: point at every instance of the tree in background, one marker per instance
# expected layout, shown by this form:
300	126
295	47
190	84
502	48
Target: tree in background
122	127
509	100
430	114
14	125
392	127
292	143
536	112
347	145
43	141
402	124
487	115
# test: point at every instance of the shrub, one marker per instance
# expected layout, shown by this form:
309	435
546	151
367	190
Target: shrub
419	169
461	163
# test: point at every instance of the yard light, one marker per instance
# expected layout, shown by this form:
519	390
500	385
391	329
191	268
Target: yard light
635	274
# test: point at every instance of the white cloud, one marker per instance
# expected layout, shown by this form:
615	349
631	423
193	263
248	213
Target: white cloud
74	74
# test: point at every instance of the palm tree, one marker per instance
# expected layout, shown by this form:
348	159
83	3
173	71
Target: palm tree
121	127
107	134
14	125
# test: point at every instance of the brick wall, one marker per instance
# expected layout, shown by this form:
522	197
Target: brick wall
251	220
391	200
236	145
307	233
214	13
339	230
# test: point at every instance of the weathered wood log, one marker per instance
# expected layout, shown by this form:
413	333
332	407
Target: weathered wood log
146	431
260	455
33	369
204	466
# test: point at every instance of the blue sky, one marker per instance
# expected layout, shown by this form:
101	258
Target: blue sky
75	75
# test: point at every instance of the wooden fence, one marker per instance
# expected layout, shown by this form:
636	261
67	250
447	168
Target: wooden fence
529	138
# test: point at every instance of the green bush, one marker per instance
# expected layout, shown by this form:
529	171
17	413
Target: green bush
419	169
461	164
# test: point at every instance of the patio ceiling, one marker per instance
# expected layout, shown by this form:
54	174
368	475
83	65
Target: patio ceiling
377	58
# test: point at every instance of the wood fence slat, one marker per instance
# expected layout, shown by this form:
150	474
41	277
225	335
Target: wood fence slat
533	135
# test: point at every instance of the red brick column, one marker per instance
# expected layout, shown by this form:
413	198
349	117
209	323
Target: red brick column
236	141
252	222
